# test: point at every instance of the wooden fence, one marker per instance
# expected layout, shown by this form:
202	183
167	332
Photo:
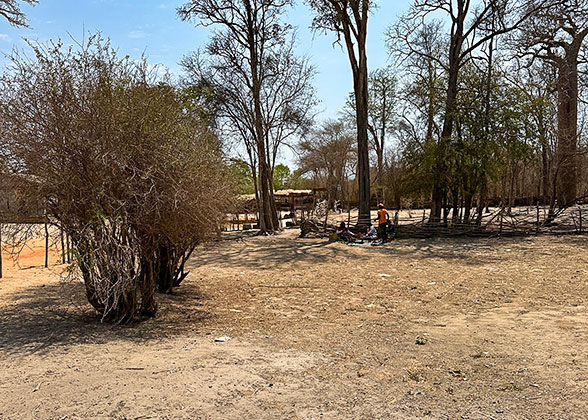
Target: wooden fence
498	221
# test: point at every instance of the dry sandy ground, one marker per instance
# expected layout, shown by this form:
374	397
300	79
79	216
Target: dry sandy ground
317	332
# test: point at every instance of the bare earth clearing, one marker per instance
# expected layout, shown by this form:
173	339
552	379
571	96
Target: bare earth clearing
316	332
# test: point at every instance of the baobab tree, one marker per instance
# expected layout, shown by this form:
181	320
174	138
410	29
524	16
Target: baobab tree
382	98
557	35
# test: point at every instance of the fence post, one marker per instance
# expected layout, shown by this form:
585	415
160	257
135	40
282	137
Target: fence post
501	217
62	246
46	246
538	223
0	250
580	222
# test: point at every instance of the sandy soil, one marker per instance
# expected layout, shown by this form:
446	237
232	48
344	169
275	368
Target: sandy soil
318	331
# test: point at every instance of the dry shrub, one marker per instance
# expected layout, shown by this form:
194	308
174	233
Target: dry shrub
134	178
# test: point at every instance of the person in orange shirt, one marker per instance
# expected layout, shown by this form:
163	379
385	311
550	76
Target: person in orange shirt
383	220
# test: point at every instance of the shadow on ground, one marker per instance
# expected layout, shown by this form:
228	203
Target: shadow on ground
42	318
286	250
256	255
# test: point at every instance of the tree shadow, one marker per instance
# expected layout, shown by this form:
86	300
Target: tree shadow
256	255
482	250
43	318
462	250
304	251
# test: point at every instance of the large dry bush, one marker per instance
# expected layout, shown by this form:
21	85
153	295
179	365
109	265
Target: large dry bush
133	177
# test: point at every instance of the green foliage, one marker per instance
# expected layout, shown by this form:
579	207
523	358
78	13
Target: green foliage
241	176
281	176
492	135
297	181
201	101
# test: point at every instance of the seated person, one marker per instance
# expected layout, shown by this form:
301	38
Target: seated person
372	233
391	230
345	235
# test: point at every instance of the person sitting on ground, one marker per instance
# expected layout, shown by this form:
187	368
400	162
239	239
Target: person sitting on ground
344	234
372	233
383	218
391	231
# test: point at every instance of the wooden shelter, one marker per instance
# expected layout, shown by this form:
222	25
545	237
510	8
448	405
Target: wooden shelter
288	203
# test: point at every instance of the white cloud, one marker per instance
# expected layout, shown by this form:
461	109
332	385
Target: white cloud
5	37
137	34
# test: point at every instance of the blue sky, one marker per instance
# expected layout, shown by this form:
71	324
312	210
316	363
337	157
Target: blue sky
151	26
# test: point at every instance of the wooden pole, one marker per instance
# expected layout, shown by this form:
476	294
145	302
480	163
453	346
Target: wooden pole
0	250
62	247
580	222
538	223
46	246
68	250
501	219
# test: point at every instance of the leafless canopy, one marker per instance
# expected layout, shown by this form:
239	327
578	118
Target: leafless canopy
330	157
263	90
10	9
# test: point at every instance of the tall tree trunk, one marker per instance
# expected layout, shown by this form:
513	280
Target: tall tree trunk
468	200
567	124
379	149
481	202
455	205
431	104
440	165
544	186
363	161
380	168
255	176
511	187
381	141
267	210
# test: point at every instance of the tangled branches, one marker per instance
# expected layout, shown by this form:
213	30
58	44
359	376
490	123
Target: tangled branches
133	178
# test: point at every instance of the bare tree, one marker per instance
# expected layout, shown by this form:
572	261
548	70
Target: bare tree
329	157
122	168
10	9
263	88
420	109
349	19
557	34
382	99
